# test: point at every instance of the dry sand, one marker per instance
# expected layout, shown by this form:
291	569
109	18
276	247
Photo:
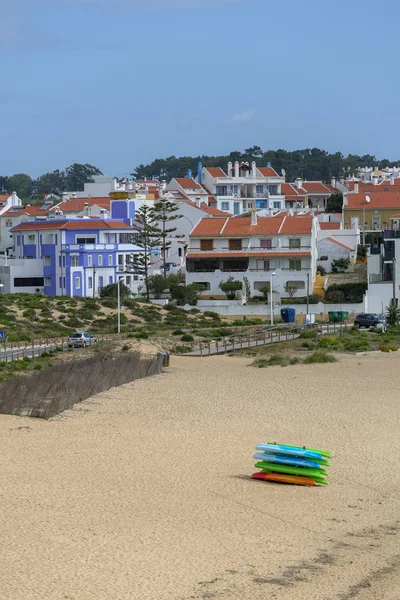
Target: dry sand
143	491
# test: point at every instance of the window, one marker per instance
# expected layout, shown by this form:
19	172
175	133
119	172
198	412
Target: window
9	223
266	265
235	244
236	208
110	260
100	260
235	189
294	244
224	205
295	265
86	240
28	281
299	285
179	251
120	260
221	190
47	281
63	282
89	260
74	261
60	283
125	238
59	261
90	283
63	260
259	189
128	280
110	279
276	204
273	190
47	261
206	245
266	244
77	283
101	283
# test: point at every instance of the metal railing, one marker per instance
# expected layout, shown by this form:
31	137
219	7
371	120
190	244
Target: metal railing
11	351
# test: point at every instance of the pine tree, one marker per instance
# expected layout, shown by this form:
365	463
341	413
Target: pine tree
164	213
146	237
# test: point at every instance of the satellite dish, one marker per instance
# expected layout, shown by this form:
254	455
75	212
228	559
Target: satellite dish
367	199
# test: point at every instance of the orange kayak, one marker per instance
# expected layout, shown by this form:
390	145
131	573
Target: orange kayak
281	478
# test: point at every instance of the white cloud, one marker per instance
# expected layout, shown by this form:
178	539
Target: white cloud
245	116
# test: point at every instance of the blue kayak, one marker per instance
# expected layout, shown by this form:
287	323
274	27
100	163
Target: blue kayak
287	460
278	449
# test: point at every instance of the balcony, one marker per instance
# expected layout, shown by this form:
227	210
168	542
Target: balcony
88	247
251	250
391	234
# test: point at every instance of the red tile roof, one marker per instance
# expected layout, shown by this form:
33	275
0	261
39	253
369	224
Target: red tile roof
379	200
26	210
288	189
331	239
215	171
267	172
187	183
265	254
241	226
73	224
317	187
330	225
4	197
209	209
78	204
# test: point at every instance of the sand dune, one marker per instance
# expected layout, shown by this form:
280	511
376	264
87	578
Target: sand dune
143	492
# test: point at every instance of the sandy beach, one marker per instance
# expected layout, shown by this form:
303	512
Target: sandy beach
143	492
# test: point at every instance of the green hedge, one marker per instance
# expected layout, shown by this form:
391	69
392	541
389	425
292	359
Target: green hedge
312	299
352	292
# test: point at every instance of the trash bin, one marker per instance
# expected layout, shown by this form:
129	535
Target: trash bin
165	358
342	315
288	315
333	316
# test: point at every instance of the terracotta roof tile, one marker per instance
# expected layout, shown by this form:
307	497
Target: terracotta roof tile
330	225
379	200
316	187
267	172
26	210
215	171
209	209
73	224
241	226
78	204
187	183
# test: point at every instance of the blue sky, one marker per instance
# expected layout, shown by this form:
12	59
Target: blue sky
82	82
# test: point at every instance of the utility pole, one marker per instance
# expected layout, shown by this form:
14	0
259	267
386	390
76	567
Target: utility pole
308	290
394	300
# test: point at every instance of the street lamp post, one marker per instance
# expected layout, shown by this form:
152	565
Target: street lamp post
270	295
119	302
366	201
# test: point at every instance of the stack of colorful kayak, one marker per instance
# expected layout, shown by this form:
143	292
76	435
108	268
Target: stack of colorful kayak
291	464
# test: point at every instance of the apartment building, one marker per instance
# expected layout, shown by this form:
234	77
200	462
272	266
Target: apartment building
244	187
311	194
384	269
371	209
258	248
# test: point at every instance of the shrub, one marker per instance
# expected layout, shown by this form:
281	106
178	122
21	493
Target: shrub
321	270
392	315
183	349
212	315
388	348
187	338
185	294
340	265
156	285
38	367
178	332
142	335
125	348
353	292
111	291
307	335
323	257
334	296
320	357
230	287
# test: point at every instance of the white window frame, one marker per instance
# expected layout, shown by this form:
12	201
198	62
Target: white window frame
77	282
100	260
89	260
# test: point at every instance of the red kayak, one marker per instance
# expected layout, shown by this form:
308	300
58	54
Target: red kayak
281	478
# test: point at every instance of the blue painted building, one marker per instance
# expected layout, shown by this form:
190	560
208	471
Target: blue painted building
80	256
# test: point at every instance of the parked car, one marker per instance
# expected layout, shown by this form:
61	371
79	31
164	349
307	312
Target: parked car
369	320
81	339
170	265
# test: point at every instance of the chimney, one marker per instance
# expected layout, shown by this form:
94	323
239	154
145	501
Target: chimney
74	194
15	201
253	217
299	183
86	208
103	214
391	178
163	184
198	200
356	188
114	185
333	182
64	196
254	169
375	180
200	173
130	186
236	168
190	174
229	169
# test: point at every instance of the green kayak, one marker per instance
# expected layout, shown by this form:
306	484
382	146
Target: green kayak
276	468
322	452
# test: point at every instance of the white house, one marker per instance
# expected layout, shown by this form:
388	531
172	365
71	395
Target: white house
384	271
244	187
258	248
334	242
188	188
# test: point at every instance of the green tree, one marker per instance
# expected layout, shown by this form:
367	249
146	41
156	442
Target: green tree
230	287
185	294
392	315
156	285
111	291
340	265
22	184
77	175
334	203
164	212
265	290
50	183
145	228
290	289
4	185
